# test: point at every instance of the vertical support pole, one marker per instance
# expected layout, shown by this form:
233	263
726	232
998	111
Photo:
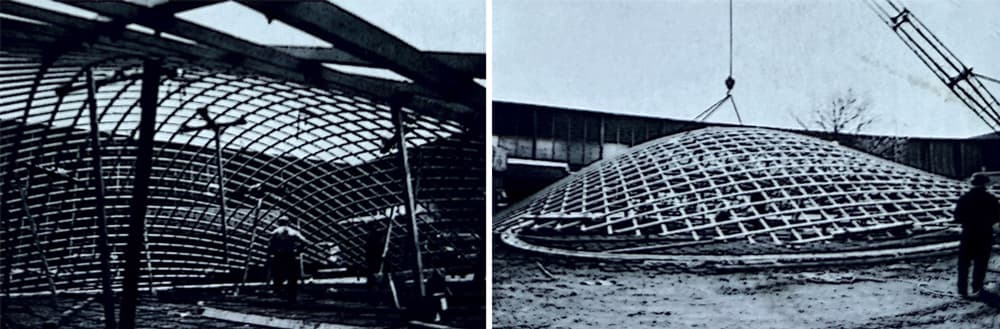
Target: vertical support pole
102	224
398	120
35	240
253	239
388	239
222	196
149	260
302	274
6	239
140	191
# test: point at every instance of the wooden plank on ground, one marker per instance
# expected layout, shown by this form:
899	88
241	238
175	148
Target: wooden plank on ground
420	324
269	321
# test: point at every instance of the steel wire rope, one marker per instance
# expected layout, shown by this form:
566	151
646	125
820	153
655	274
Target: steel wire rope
730	82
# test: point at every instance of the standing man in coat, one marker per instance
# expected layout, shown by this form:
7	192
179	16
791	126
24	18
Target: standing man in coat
977	211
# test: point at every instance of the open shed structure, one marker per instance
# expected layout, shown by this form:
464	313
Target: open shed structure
184	144
738	196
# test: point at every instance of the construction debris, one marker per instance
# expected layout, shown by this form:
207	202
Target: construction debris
544	271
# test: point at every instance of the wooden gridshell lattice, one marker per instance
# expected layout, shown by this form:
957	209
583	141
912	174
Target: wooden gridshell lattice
734	185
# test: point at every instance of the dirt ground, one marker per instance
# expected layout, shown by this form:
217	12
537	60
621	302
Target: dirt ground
346	303
587	294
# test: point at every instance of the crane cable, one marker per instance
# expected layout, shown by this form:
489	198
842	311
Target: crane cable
730	78
730	82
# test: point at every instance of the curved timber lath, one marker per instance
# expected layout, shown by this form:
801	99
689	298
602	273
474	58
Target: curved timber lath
306	141
741	195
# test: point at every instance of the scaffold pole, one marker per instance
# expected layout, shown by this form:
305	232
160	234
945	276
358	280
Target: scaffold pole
108	297
222	194
140	192
408	195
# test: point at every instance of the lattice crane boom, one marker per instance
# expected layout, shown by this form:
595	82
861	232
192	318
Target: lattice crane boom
948	68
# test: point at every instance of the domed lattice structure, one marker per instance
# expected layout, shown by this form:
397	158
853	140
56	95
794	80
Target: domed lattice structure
737	194
291	136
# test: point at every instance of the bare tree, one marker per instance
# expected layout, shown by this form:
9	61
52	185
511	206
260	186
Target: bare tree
847	113
887	147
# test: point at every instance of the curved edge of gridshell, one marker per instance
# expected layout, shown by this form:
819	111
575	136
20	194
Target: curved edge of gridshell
318	154
184	231
738	197
732	262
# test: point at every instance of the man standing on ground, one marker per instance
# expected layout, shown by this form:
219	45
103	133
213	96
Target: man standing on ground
977	211
285	245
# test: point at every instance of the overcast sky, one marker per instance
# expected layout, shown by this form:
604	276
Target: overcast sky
670	58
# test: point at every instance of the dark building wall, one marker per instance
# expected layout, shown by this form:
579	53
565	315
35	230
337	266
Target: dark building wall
580	137
576	137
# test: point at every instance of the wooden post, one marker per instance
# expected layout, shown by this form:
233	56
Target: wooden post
388	238
253	238
140	191
408	193
217	130
302	276
7	190
102	224
222	195
35	241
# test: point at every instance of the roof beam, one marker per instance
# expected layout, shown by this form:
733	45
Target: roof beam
112	28
291	68
470	64
173	7
16	32
473	64
366	41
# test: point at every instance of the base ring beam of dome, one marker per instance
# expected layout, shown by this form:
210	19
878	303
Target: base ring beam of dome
743	262
739	197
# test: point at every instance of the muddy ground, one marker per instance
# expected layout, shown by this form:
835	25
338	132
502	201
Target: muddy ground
586	294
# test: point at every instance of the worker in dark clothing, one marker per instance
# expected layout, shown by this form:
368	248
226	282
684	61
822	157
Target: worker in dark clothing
977	211
374	252
284	247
